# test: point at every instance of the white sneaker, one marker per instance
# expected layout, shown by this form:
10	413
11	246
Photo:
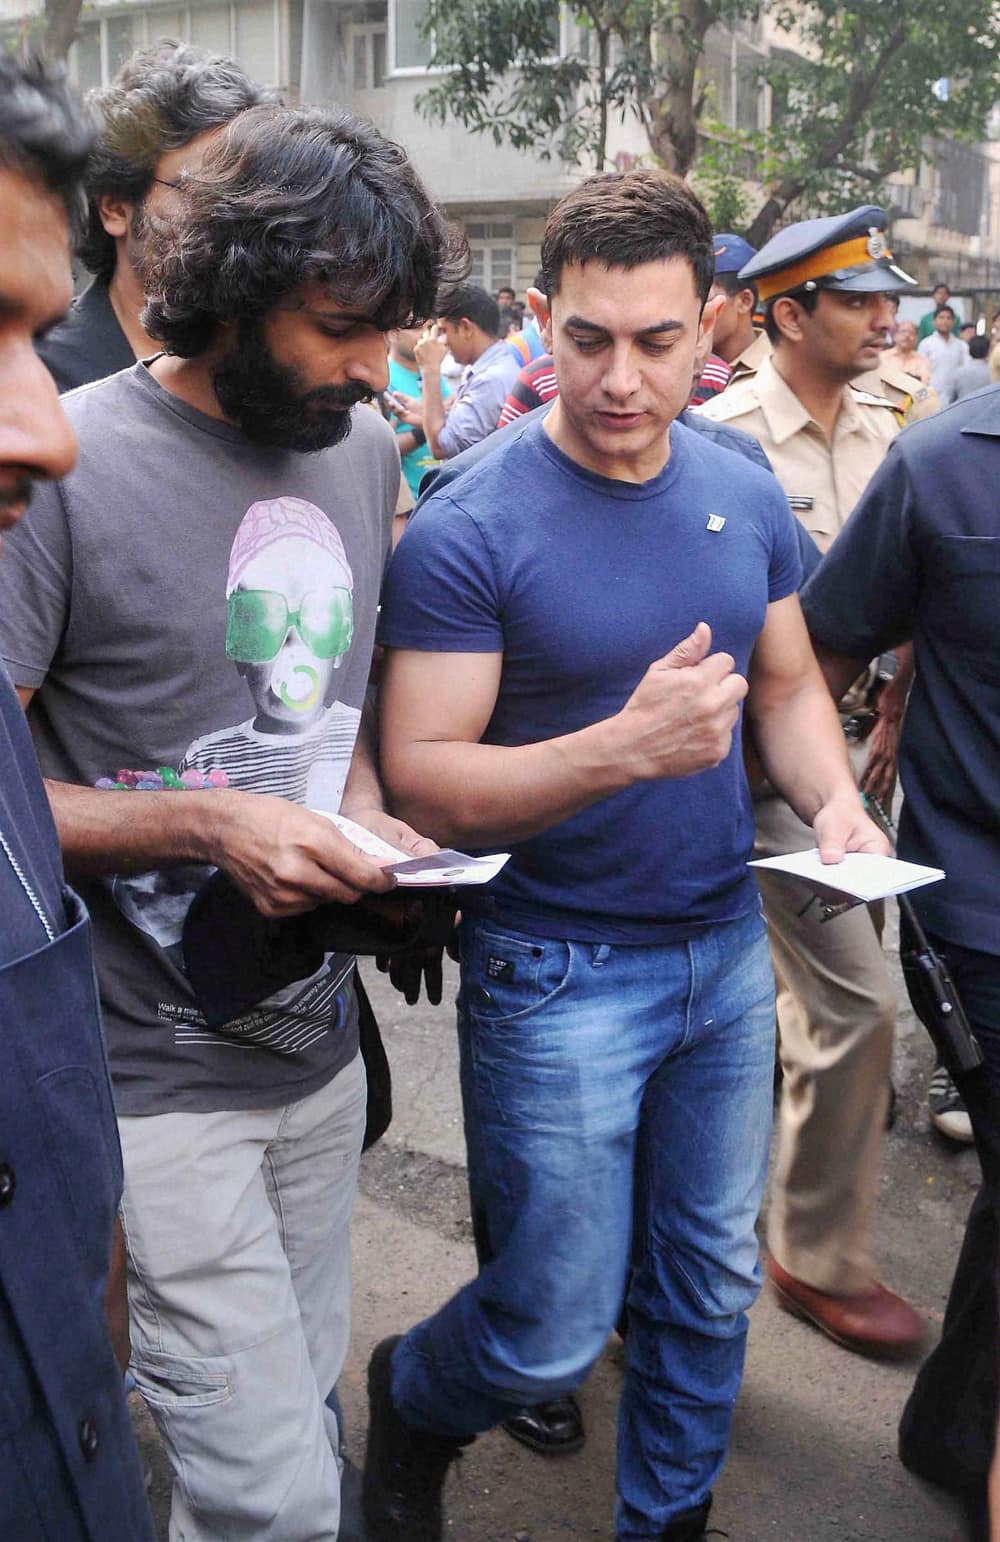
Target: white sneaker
948	1113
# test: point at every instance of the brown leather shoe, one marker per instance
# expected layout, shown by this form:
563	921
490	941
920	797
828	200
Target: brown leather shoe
875	1323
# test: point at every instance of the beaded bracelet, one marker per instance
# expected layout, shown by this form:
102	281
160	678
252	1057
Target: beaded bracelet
164	779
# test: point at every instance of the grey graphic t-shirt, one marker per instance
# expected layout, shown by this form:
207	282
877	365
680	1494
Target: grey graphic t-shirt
189	601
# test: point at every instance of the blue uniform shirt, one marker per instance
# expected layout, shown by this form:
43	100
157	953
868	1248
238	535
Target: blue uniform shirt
920	559
69	1469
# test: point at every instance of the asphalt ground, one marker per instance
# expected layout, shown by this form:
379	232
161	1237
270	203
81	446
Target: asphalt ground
813	1455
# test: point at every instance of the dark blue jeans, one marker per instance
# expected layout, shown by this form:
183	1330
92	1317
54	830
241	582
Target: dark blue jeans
618	1110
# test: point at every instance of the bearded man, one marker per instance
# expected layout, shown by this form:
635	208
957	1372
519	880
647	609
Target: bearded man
220	516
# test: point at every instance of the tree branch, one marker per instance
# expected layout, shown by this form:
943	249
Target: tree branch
864	90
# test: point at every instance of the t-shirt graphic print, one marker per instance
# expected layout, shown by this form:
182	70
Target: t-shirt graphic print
289	627
186	599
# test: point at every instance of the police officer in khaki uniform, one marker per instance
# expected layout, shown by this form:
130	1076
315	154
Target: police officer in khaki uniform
909	397
824	284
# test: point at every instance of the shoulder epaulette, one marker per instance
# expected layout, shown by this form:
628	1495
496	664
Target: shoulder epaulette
740	396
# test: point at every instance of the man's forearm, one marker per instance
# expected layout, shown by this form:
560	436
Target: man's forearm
129	832
284	857
486	794
802	748
433	404
363	788
892	701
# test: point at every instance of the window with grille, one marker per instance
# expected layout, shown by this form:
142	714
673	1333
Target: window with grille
366	54
494	253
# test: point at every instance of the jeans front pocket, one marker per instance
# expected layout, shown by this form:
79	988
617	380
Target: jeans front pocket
507	975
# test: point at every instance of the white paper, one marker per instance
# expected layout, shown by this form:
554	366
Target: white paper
862	874
434	872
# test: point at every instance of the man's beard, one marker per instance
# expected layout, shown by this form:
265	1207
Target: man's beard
266	400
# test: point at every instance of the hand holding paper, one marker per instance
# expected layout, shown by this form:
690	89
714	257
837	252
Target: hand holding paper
436	870
842	826
865	876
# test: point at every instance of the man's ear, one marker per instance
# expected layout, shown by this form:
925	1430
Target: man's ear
745	301
787	314
538	304
706	330
115	214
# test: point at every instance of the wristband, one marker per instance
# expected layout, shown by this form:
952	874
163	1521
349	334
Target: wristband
418	435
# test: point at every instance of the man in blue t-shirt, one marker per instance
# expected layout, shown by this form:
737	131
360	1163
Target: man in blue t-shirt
572	628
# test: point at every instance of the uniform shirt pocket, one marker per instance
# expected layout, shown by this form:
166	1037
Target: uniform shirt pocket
966	568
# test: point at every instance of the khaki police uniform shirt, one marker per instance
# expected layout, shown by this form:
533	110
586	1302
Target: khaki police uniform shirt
822	478
908	396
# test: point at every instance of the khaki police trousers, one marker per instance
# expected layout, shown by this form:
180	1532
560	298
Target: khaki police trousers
836	1015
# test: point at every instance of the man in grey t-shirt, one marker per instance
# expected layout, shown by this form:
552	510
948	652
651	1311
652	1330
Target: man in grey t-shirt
197	600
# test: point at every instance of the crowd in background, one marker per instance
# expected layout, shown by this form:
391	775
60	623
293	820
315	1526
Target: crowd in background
702	559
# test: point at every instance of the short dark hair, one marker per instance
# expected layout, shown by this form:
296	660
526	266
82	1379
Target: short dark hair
733	284
949	308
625	218
470	302
979	346
940	285
807	298
162	97
291	196
44	133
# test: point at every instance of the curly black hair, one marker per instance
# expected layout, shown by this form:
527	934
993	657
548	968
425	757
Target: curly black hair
162	97
290	196
44	133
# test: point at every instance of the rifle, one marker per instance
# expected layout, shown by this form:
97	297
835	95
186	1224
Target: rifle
931	989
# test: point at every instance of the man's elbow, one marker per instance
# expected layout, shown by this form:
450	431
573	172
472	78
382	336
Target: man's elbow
412	797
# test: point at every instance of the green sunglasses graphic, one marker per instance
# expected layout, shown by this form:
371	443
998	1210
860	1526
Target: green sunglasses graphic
257	623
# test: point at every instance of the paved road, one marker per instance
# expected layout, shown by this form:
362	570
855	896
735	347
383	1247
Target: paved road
813	1455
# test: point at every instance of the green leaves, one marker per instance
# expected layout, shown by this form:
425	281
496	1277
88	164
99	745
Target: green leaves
852	86
853	95
518	73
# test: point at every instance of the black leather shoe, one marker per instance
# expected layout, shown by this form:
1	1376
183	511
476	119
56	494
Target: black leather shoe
352	1526
405	1468
690	1527
554	1428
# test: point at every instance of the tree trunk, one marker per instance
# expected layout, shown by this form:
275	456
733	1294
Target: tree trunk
61	20
603	61
672	117
864	89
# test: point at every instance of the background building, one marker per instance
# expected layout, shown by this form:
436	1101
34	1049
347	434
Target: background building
370	55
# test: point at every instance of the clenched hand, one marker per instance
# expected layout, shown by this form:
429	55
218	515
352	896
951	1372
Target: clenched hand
680	717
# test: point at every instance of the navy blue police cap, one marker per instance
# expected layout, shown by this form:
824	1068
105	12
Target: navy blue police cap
731	252
844	252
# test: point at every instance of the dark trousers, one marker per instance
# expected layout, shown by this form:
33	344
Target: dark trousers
948	1429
